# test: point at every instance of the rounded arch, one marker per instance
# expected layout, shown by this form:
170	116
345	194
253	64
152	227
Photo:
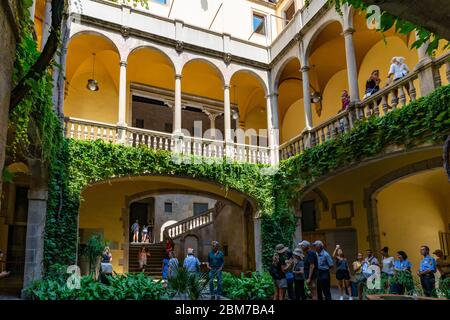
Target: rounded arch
253	74
200	60
281	69
313	35
151	48
185	184
96	32
92	55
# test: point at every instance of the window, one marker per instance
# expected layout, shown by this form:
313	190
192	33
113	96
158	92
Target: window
161	1
200	208
259	23
289	12
168	207
140	123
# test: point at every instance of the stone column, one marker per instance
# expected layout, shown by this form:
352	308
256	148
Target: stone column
272	127
177	107
258	244
352	71
47	23
212	119
306	96
37	209
122	123
227	113
429	78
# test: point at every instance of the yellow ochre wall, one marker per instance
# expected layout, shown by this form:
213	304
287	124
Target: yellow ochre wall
410	216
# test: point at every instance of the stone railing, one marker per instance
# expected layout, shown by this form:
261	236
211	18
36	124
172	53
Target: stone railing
391	97
81	129
191	223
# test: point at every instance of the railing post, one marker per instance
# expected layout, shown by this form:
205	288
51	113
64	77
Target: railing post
122	135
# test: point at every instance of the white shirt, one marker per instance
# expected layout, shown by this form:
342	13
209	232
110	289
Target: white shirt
399	71
388	265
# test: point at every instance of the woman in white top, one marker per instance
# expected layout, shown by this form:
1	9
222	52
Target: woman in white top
387	270
398	70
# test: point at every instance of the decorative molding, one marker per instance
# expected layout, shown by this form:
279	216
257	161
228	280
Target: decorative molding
179	46
227	58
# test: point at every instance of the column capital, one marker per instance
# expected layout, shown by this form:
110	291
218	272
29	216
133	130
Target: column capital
226	87
305	68
348	31
123	64
271	94
178	77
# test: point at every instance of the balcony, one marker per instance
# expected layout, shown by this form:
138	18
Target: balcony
81	129
387	99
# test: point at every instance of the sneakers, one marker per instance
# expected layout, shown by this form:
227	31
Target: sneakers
213	297
350	298
341	298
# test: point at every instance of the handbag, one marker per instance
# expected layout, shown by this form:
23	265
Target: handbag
106	268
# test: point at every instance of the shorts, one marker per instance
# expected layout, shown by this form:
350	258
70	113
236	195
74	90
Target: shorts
342	275
281	284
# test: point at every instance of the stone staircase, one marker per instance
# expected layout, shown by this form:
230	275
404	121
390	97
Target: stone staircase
157	250
154	262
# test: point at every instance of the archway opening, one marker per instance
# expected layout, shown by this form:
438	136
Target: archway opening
92	56
151	85
328	74
248	97
290	101
203	100
169	207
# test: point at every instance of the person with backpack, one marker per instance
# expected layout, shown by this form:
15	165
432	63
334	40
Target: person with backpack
273	270
191	264
369	262
135	231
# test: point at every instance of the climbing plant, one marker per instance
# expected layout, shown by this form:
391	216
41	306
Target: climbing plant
389	21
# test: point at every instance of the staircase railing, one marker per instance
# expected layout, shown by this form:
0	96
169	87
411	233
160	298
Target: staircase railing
191	223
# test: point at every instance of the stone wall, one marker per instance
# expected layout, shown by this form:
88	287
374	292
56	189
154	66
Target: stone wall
8	38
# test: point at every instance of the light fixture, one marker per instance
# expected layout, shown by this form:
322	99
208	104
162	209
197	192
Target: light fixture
92	84
316	97
235	114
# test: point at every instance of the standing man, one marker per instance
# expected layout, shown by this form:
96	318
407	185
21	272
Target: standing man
310	267
135	231
215	265
426	271
191	263
442	264
325	263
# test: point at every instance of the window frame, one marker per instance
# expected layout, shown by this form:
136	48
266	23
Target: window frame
264	18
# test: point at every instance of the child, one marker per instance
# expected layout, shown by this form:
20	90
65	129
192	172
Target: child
144	234
142	256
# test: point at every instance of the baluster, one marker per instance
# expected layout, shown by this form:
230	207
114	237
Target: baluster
92	137
412	90
72	130
376	110
368	110
394	100
111	135
322	135
99	134
79	132
160	144
105	134
86	132
328	136
402	96
384	103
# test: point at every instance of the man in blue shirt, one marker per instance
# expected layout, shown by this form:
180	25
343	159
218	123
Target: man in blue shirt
215	265
324	264
191	263
426	271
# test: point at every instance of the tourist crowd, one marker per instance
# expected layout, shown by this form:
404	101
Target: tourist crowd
309	267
